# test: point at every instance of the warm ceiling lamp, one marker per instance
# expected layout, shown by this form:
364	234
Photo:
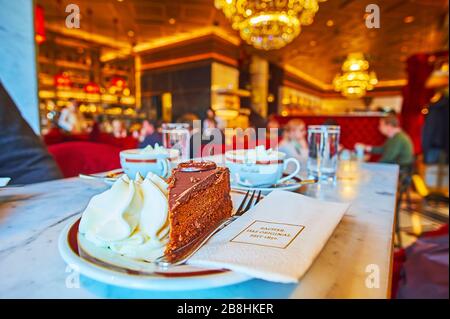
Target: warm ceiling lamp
118	83
39	25
62	80
355	79
269	24
92	88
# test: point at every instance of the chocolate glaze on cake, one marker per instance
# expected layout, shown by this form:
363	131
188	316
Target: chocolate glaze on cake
190	178
199	199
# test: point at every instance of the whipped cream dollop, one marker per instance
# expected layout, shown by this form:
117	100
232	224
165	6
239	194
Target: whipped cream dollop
259	153
157	149
131	218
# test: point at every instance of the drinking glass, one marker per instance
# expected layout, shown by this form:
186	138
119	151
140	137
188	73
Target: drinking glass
176	136
323	144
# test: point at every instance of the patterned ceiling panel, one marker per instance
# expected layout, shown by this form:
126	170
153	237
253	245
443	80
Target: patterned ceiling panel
318	51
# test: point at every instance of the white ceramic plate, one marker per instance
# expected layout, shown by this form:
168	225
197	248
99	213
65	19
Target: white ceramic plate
103	265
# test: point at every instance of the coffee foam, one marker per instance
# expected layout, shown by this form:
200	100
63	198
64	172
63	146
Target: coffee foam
259	153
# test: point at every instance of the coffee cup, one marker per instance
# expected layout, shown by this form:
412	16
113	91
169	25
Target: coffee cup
147	160
259	167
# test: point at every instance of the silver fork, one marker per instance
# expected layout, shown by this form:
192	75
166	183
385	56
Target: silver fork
191	248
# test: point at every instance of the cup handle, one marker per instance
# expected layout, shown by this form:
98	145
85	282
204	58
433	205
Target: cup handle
297	169
166	165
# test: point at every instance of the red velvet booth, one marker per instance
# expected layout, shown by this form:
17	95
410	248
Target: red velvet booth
55	136
124	143
86	153
354	129
74	158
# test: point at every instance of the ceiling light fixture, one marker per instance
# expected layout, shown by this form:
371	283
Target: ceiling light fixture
409	19
269	24
355	80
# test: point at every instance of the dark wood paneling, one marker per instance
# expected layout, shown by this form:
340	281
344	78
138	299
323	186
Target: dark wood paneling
275	81
198	46
190	87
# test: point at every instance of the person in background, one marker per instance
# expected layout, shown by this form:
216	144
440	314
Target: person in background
95	133
70	119
294	142
135	130
398	149
118	129
220	123
333	122
274	132
256	120
272	122
23	156
194	132
150	134
330	121
209	124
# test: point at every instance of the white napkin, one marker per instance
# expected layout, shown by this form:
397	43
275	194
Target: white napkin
277	240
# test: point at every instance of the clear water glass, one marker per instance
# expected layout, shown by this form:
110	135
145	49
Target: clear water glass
323	144
176	136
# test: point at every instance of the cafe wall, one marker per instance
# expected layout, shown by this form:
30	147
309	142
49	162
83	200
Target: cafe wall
342	105
18	56
301	102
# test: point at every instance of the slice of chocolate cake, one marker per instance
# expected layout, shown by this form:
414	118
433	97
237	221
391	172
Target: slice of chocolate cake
199	199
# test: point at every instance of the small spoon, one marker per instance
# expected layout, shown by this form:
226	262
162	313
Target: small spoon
302	182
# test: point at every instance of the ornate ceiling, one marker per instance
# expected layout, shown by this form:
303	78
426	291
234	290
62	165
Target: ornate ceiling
407	27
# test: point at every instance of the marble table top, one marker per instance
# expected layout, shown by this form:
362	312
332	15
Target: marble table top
355	263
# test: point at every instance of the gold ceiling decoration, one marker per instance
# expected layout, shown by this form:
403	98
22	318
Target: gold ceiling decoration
269	24
355	80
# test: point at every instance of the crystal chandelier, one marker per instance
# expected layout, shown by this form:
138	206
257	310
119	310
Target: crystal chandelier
355	79
269	24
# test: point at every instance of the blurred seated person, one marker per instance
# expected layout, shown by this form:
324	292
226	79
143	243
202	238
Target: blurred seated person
150	134
435	134
398	149
256	120
333	122
118	129
106	126
135	130
274	131
209	124
330	121
294	142
195	133
24	157
71	120
96	131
